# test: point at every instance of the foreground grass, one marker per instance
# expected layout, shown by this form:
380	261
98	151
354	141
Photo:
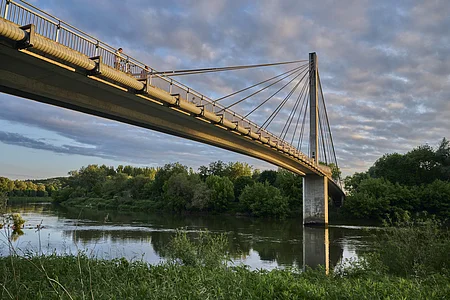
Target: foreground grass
80	277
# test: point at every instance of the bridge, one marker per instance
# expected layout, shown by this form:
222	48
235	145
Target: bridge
47	60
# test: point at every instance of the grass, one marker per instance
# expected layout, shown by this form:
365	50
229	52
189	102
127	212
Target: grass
200	269
411	262
80	277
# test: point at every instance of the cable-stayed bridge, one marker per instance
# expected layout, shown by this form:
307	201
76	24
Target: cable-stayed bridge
47	60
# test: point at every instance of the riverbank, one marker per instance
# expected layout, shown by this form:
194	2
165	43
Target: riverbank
410	262
79	277
20	200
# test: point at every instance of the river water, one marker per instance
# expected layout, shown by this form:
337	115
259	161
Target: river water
259	243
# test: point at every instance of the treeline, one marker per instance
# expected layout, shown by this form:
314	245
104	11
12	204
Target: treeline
219	187
399	186
29	188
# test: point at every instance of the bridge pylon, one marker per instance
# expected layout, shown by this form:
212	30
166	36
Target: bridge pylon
315	188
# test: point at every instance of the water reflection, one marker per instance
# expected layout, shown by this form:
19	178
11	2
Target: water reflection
258	243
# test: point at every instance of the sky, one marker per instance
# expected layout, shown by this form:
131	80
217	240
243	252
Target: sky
384	67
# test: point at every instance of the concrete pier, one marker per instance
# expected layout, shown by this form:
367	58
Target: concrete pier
315	200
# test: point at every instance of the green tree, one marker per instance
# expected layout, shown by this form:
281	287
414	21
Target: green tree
256	173
351	183
222	192
163	175
201	197
264	200
136	186
179	191
435	198
268	175
290	186
443	159
217	168
335	171
235	170
240	184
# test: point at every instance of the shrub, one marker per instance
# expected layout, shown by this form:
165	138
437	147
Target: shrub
415	249
207	250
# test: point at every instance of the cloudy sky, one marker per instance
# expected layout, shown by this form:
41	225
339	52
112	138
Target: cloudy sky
384	68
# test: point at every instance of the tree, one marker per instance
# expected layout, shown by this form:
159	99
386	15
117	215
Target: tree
256	173
237	169
163	175
435	198
290	186
443	159
222	192
241	183
268	175
136	186
335	171
6	185
264	200
217	168
203	172
201	198
179	191
351	183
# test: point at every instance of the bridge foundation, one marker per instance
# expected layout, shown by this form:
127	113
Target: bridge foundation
315	200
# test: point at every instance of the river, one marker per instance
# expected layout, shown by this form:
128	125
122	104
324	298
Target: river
258	243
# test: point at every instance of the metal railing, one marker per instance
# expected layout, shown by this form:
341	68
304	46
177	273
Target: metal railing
59	31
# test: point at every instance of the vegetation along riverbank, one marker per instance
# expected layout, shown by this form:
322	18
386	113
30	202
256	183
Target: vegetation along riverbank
397	187
200	269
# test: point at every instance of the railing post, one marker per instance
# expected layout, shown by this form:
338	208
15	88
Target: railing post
151	76
58	27
97	45
170	87
5	13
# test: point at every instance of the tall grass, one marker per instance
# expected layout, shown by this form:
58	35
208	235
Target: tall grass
207	250
72	277
198	269
413	249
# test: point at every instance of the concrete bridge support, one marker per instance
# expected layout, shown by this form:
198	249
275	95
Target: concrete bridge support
315	200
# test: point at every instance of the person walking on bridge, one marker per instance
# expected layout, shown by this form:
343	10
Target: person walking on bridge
118	59
144	72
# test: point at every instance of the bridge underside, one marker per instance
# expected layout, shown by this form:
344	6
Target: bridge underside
28	75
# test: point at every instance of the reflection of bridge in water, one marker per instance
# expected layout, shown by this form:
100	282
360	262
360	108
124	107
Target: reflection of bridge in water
50	61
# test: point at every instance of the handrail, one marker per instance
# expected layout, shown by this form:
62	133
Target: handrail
69	36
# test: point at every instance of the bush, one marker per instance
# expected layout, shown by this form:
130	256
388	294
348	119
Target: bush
207	250
416	249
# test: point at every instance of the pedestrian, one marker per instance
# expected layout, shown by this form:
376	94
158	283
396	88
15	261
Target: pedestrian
118	59
144	72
